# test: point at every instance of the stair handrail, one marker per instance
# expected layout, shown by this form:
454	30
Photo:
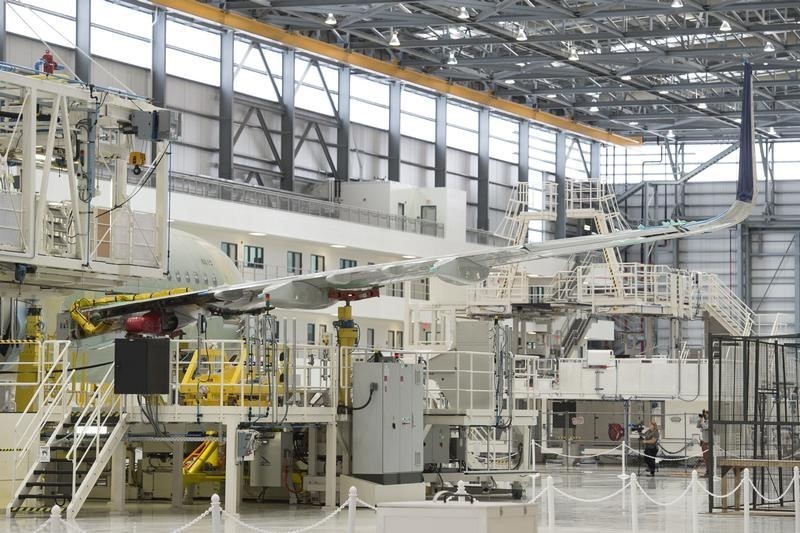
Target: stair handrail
49	395
729	307
94	405
96	402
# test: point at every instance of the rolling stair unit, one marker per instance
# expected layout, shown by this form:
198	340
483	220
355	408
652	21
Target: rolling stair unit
74	445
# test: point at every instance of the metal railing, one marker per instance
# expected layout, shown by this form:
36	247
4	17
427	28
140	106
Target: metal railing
462	382
249	194
226	374
725	306
49	403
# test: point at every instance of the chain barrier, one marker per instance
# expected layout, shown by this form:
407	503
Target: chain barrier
365	504
193	522
55	522
592	500
236	519
665	504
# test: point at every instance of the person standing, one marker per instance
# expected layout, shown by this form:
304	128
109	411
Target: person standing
702	425
650	441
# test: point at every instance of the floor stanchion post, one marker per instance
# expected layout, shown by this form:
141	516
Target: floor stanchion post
634	505
693	507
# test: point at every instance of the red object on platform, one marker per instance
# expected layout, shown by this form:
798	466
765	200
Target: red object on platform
146	323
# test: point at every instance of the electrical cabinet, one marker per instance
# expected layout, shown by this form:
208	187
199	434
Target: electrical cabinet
437	444
141	366
387	422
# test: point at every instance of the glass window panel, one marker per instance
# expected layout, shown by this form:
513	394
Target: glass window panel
35	24
419	128
462	139
195	39
314	99
254	84
192	67
122	48
368	114
64	7
362	88
462	116
120	18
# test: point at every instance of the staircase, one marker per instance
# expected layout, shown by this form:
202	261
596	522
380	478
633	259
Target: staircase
67	448
722	303
575	327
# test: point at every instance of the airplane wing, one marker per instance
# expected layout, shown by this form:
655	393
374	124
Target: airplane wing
319	290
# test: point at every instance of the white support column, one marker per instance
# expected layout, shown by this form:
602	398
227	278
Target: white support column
526	448
118	478
28	177
330	465
162	207
233	470
313	452
177	474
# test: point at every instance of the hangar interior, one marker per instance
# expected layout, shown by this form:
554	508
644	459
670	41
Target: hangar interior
463	257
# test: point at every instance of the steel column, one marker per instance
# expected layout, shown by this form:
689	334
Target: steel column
343	131
158	88
483	168
744	264
523	149
83	27
797	282
440	146
561	183
594	161
226	106
287	122
395	91
2	30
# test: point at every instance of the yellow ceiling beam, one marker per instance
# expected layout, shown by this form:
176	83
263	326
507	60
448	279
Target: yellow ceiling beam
393	70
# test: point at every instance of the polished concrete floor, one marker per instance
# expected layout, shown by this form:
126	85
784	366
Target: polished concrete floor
571	516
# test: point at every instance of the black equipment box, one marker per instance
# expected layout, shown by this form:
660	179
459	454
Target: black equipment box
141	366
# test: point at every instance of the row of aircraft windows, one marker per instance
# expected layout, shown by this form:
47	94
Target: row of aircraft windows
253	257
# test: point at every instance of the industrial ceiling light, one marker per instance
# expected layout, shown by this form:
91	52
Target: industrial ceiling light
771	130
594	109
663	91
573	54
451	58
633	123
257	234
556	64
395	40
338	246
677	4
725	26
463	14
551	96
510	82
670	134
769	47
520	63
521	35
625	77
330	20
702	105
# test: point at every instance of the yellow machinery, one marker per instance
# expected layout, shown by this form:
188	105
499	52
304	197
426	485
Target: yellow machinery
216	377
346	338
204	463
29	358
